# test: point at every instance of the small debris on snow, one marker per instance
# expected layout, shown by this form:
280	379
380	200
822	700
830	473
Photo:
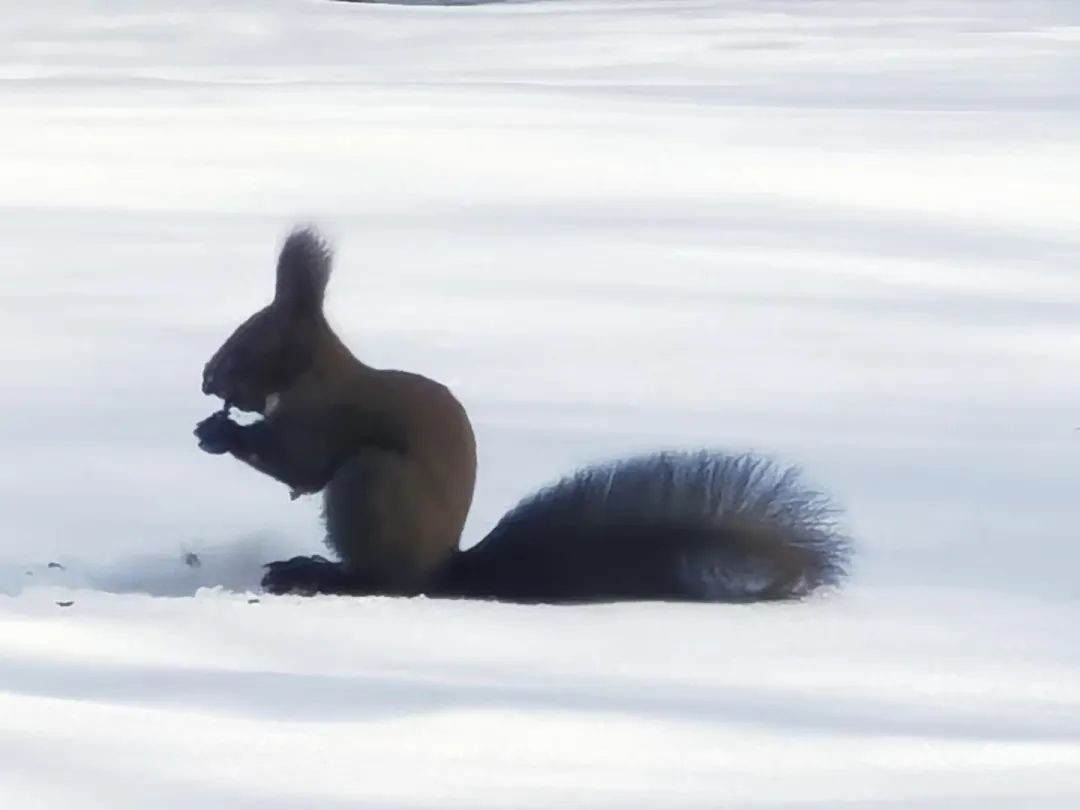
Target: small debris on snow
65	604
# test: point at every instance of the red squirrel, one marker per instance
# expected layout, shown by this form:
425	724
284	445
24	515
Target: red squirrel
394	455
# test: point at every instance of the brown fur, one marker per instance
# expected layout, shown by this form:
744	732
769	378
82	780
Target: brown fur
394	451
395	456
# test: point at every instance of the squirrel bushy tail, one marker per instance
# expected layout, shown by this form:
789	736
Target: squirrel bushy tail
673	526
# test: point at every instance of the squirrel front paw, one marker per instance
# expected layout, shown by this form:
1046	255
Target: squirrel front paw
217	433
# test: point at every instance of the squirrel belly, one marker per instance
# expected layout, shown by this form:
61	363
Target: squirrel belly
395	457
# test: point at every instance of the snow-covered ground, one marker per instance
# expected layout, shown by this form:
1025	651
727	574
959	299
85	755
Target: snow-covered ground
841	232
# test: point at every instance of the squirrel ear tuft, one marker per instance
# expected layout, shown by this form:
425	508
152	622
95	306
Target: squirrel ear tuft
303	270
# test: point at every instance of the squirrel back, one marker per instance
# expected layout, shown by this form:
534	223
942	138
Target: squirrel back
395	456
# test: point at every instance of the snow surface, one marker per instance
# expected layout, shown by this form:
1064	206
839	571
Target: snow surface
840	232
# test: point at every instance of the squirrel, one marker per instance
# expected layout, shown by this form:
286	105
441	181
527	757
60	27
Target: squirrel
394	455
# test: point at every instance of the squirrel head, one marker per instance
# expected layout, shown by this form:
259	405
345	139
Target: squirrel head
269	350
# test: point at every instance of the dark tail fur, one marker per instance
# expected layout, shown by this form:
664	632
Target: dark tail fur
699	527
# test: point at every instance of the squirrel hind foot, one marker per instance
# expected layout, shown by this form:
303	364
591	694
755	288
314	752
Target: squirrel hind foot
308	576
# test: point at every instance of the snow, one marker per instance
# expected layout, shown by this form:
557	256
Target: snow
839	232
